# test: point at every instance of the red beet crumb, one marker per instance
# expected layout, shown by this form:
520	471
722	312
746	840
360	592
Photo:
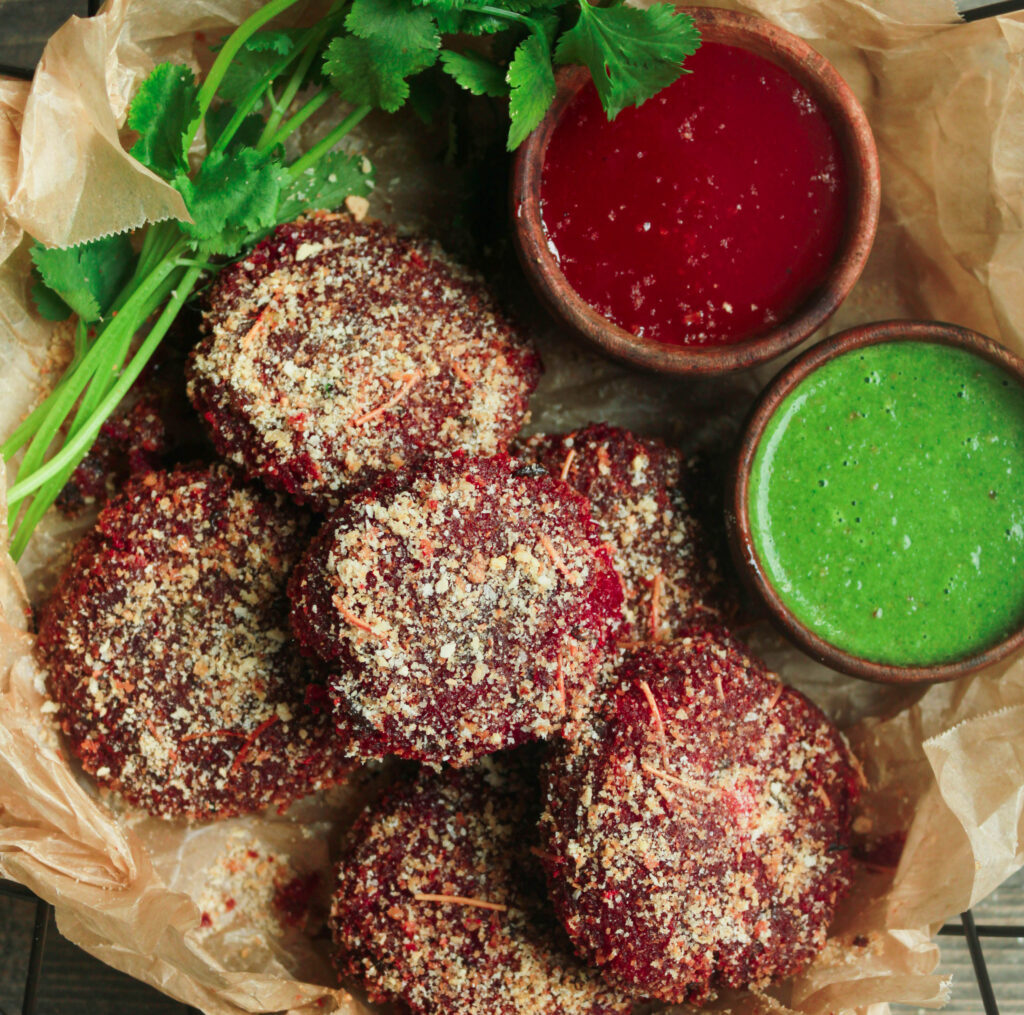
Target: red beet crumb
670	578
690	836
293	899
338	351
440	903
168	653
462	607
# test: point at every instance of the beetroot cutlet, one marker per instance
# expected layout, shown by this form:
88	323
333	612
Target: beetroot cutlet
670	578
338	351
462	607
441	904
694	837
168	651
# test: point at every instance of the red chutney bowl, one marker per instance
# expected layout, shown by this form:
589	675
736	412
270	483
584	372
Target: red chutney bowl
840	264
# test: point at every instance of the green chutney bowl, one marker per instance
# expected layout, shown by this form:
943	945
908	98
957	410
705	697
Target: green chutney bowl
860	661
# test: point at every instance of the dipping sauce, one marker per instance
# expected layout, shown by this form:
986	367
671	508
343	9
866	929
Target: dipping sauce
705	216
887	503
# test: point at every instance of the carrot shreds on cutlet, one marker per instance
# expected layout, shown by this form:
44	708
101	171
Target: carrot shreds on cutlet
555	556
775	696
410	381
354	620
665	795
562	701
210	733
249	741
656	717
567	465
460	900
541	855
718	686
461	372
655	605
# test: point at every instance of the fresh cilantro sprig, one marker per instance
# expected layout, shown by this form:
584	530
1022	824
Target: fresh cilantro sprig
264	84
631	53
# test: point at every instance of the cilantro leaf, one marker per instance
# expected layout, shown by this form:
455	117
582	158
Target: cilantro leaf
326	185
475	73
161	112
365	74
232	199
632	54
390	42
465	16
48	304
532	82
409	31
86	277
272	40
248	133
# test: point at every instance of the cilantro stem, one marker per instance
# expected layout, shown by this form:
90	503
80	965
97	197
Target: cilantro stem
310	46
236	40
252	98
325	144
291	125
23	433
507	15
135	309
53	475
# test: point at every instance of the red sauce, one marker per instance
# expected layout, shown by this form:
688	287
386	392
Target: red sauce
704	216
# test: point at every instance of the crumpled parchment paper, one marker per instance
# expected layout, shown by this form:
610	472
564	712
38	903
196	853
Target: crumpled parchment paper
190	909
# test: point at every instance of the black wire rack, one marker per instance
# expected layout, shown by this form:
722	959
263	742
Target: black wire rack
973	933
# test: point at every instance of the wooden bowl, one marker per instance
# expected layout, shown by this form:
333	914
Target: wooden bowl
738	517
839	105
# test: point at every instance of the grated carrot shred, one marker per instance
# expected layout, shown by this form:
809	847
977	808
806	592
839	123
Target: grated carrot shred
567	465
556	558
823	796
460	900
261	322
775	697
690	786
655	605
541	855
210	733
249	741
656	716
355	621
718	686
462	374
665	795
409	381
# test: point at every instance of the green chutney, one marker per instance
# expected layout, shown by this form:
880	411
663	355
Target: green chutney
887	503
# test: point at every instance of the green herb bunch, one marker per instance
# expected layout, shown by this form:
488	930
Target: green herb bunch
263	85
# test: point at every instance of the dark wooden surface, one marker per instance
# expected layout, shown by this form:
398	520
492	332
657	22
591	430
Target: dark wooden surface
73	982
25	25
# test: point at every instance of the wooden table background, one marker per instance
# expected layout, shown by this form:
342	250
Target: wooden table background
73	982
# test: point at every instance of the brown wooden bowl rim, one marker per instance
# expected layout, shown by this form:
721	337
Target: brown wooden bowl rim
843	111
738	518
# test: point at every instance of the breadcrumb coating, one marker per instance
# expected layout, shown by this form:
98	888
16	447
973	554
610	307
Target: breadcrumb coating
462	608
338	351
170	663
695	836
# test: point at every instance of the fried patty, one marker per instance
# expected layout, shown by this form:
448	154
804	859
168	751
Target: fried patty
338	351
695	836
461	607
440	903
169	655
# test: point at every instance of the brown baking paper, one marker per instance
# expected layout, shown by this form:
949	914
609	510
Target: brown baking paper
944	769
